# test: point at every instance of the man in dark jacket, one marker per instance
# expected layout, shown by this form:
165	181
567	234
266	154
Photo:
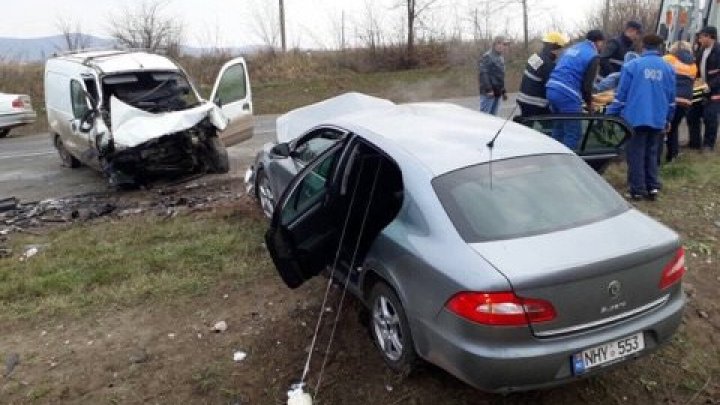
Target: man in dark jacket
491	76
532	99
708	62
613	56
682	60
646	100
571	83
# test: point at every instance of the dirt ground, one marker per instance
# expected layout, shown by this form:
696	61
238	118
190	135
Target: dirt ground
165	352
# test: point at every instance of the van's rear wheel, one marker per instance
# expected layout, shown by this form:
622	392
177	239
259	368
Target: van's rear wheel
67	159
390	329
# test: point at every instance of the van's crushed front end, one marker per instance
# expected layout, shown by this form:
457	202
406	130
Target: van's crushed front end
144	146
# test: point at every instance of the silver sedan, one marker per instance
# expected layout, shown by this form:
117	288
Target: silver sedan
480	246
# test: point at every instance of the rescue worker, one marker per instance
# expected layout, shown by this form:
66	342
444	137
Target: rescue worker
571	83
491	76
646	100
683	63
532	99
708	62
613	56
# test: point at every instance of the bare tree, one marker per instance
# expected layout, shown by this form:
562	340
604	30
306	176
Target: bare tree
613	19
146	26
72	33
414	10
265	25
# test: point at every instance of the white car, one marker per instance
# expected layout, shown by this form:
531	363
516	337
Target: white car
15	110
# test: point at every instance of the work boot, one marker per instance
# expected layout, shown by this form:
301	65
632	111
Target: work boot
653	194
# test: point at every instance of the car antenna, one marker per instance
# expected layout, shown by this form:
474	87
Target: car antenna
491	144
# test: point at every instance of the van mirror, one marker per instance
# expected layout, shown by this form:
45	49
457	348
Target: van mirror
86	121
218	101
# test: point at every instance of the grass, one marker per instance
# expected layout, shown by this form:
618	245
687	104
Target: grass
124	263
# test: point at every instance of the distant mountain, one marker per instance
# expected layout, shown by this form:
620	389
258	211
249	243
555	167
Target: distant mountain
39	49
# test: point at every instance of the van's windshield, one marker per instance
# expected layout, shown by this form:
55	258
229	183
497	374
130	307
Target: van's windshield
155	91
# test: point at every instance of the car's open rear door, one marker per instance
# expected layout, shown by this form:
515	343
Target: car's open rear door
602	136
304	232
233	94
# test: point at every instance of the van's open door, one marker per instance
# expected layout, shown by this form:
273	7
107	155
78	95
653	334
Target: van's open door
601	136
233	94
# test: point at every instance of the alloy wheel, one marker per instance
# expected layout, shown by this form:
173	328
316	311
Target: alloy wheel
386	328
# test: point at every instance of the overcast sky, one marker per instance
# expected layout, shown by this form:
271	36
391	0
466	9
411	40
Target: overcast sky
230	23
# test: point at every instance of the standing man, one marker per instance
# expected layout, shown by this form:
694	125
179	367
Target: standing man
613	56
571	83
491	76
646	100
532	98
708	60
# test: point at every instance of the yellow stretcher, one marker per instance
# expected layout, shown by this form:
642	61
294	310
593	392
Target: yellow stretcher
601	100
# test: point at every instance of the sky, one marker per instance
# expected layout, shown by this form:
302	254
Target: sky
233	23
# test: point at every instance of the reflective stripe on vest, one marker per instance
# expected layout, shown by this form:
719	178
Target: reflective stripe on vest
532	100
532	76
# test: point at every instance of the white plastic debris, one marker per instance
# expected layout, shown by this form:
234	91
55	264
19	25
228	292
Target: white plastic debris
171	335
239	356
220	327
298	396
30	252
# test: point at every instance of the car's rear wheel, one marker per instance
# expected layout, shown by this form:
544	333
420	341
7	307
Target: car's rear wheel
265	195
390	329
67	159
4	132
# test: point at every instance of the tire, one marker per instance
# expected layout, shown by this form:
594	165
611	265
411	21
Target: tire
67	159
265	196
4	132
390	330
218	160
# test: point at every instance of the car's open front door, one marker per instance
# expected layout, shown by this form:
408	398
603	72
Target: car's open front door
601	136
304	232
233	94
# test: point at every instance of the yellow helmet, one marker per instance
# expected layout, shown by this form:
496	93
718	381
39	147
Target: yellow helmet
556	38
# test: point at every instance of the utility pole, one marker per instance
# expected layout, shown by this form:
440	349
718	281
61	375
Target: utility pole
283	40
525	25
342	34
606	16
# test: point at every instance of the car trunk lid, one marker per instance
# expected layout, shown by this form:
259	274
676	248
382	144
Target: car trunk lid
593	275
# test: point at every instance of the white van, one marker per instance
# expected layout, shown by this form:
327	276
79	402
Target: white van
136	116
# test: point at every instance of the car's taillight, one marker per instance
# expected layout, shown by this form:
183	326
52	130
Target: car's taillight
673	271
500	308
17	103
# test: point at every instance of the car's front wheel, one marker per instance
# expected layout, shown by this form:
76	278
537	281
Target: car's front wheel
390	329
67	159
265	195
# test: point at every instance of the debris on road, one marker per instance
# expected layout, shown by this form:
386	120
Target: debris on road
7	204
239	356
139	356
220	327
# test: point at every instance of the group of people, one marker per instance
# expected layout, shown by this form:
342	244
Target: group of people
653	92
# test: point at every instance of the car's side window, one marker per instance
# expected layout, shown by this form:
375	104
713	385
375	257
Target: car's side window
311	189
232	86
79	101
314	145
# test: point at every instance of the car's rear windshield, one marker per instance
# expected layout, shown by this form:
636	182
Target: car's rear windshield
525	196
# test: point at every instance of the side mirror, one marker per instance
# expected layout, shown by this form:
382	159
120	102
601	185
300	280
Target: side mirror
281	150
218	101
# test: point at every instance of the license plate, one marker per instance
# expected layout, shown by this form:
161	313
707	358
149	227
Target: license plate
607	353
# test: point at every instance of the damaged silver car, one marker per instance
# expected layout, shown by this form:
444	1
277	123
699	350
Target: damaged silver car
137	117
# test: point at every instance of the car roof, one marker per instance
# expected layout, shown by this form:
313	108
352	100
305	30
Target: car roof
440	137
117	61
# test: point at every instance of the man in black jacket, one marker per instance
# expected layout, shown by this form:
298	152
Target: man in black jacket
708	61
532	99
613	56
491	76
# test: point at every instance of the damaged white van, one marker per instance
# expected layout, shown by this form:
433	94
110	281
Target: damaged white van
137	117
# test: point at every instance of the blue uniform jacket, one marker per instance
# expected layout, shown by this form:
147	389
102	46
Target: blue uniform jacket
573	69
646	94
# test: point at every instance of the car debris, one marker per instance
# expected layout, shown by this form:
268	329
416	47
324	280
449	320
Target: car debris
220	327
239	356
29	252
7	204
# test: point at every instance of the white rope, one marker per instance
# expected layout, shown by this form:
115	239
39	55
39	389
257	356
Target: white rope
347	278
306	369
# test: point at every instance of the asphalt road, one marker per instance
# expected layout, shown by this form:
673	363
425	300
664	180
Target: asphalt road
30	168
